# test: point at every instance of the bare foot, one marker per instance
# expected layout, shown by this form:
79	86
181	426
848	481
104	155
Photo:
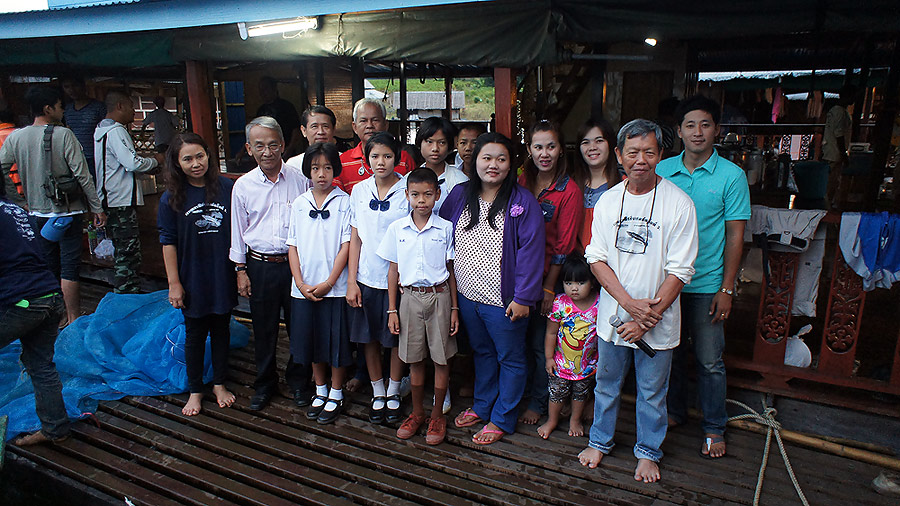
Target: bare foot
193	406
546	429
223	396
575	427
490	433
354	385
530	417
713	446
34	438
646	471
590	457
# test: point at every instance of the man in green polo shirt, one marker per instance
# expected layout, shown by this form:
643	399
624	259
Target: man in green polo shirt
722	197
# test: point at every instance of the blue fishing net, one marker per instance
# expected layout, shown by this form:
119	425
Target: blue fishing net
131	345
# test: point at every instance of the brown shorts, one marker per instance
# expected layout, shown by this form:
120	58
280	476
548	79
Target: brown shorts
425	327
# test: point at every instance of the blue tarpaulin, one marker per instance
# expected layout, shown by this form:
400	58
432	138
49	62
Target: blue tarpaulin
131	345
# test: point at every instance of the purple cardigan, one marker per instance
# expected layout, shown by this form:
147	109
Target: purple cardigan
522	263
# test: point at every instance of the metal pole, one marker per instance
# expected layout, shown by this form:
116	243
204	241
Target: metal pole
403	111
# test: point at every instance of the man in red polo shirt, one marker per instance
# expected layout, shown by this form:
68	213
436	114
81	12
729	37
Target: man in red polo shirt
368	120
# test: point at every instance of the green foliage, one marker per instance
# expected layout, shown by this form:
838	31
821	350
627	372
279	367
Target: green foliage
479	93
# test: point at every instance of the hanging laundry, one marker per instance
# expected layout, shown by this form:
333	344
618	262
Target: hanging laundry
870	243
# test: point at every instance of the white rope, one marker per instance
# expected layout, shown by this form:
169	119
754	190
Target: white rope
767	418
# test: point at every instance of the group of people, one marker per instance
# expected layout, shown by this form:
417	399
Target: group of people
555	278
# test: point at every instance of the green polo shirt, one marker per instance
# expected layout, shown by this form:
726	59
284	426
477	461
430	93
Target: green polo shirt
720	193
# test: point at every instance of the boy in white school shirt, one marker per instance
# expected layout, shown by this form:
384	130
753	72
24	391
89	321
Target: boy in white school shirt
419	248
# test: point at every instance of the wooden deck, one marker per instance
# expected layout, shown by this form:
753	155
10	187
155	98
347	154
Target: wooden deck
144	449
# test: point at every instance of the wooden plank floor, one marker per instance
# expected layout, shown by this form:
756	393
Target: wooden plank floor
144	449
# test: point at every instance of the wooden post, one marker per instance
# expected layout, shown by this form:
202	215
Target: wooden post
504	100
320	82
404	110
448	95
598	87
881	134
357	79
200	97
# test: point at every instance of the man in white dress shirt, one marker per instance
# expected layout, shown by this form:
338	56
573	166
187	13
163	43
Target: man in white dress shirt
260	213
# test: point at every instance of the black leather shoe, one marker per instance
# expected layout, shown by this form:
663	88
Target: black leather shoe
301	398
260	400
330	416
393	415
314	411
377	415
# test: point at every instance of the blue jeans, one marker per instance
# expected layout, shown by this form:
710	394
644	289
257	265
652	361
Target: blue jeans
652	377
36	328
498	346
707	340
537	389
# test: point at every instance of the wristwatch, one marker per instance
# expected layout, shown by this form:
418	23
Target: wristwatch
239	268
727	291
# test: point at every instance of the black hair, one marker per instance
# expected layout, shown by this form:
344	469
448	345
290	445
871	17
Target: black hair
473	189
7	116
41	96
695	103
529	169
176	179
423	175
471	125
576	269
329	151
433	125
580	172
317	109
385	139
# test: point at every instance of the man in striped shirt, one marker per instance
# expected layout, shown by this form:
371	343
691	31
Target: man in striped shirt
82	116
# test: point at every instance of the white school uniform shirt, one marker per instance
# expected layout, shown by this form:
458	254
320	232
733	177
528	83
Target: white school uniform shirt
371	225
663	244
319	239
421	255
450	178
261	211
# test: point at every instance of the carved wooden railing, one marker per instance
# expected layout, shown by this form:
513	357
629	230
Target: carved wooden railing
839	338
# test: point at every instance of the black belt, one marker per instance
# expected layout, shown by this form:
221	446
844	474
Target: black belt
278	258
428	289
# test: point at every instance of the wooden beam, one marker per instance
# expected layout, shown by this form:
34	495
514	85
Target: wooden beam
200	98
881	134
504	100
598	87
320	81
448	95
404	109
357	79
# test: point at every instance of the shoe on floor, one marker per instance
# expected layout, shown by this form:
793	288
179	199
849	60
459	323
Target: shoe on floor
437	431
314	411
302	397
326	416
260	400
377	415
410	426
393	415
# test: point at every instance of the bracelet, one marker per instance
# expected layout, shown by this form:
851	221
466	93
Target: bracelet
551	292
391	311
454	308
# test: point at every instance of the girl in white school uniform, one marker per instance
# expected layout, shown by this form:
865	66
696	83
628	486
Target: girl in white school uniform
319	244
375	203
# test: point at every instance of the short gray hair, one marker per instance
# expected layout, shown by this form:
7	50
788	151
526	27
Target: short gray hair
363	101
639	128
265	122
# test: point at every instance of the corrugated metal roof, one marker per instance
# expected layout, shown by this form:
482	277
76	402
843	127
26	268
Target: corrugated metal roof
429	99
168	14
74	4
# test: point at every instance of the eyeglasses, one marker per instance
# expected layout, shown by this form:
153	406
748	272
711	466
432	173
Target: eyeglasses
272	148
629	241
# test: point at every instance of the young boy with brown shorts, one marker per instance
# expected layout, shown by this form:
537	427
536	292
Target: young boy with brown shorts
419	248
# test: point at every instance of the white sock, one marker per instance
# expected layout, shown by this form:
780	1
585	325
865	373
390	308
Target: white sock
320	390
393	389
333	396
378	391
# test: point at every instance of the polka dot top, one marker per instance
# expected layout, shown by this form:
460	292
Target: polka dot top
478	254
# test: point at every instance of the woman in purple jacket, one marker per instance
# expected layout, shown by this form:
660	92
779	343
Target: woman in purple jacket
499	239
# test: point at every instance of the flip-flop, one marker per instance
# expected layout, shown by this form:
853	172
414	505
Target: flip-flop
462	420
484	431
710	440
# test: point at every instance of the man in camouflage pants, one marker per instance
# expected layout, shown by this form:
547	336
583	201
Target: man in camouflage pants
117	166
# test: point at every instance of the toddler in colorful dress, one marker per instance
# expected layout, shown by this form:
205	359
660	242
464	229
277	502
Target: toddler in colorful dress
571	345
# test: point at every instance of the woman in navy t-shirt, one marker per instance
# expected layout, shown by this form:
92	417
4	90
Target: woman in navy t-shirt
195	231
